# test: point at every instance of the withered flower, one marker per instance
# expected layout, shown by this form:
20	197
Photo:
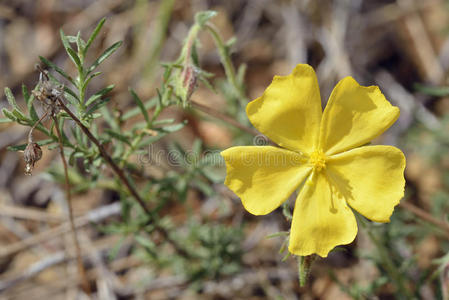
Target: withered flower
32	154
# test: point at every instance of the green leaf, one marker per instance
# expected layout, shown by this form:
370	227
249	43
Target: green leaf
146	243
71	38
9	114
20	116
90	78
108	52
5	120
64	137
99	94
118	136
172	128
64	39
163	122
140	105
68	49
202	17
94	34
107	116
23	146
72	99
57	69
241	73
69	93
135	111
29	99
150	140
10	98
433	91
100	103
80	44
72	53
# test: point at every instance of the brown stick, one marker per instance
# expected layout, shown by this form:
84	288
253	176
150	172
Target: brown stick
79	258
119	172
426	216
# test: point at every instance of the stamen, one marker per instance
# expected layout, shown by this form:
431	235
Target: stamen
317	160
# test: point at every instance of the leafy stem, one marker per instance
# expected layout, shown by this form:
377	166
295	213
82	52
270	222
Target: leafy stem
81	269
123	178
226	62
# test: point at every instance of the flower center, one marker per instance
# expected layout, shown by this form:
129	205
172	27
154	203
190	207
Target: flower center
317	160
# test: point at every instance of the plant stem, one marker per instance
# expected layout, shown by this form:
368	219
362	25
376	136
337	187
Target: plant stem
387	261
223	117
119	172
226	62
426	216
81	269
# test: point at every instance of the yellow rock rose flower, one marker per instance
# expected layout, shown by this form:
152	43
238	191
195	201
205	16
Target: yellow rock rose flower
322	154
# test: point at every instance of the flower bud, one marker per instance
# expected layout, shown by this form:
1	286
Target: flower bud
32	154
186	83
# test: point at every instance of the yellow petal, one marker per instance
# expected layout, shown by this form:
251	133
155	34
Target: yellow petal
354	116
371	179
289	111
321	220
263	177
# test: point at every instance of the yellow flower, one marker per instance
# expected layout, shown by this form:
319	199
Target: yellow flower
323	153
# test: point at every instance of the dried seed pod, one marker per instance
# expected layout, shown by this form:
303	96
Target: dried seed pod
32	154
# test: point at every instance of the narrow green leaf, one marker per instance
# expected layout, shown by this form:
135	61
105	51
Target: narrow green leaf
29	99
100	103
68	49
20	116
71	38
99	94
201	18
69	93
93	75
5	120
107	116
23	146
150	140
172	128
64	137
140	105
72	53
117	136
80	44
64	39
57	69
10	98
433	91
26	94
94	34
135	111
163	122
69	96
8	114
108	52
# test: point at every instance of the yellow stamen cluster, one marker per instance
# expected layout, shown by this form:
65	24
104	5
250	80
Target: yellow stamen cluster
317	160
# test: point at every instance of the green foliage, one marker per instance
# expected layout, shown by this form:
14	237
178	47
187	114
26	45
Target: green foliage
213	249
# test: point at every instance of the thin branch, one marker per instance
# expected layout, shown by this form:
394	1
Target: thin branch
216	114
426	216
79	259
119	172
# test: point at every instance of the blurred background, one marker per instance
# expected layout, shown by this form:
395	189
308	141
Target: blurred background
400	45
